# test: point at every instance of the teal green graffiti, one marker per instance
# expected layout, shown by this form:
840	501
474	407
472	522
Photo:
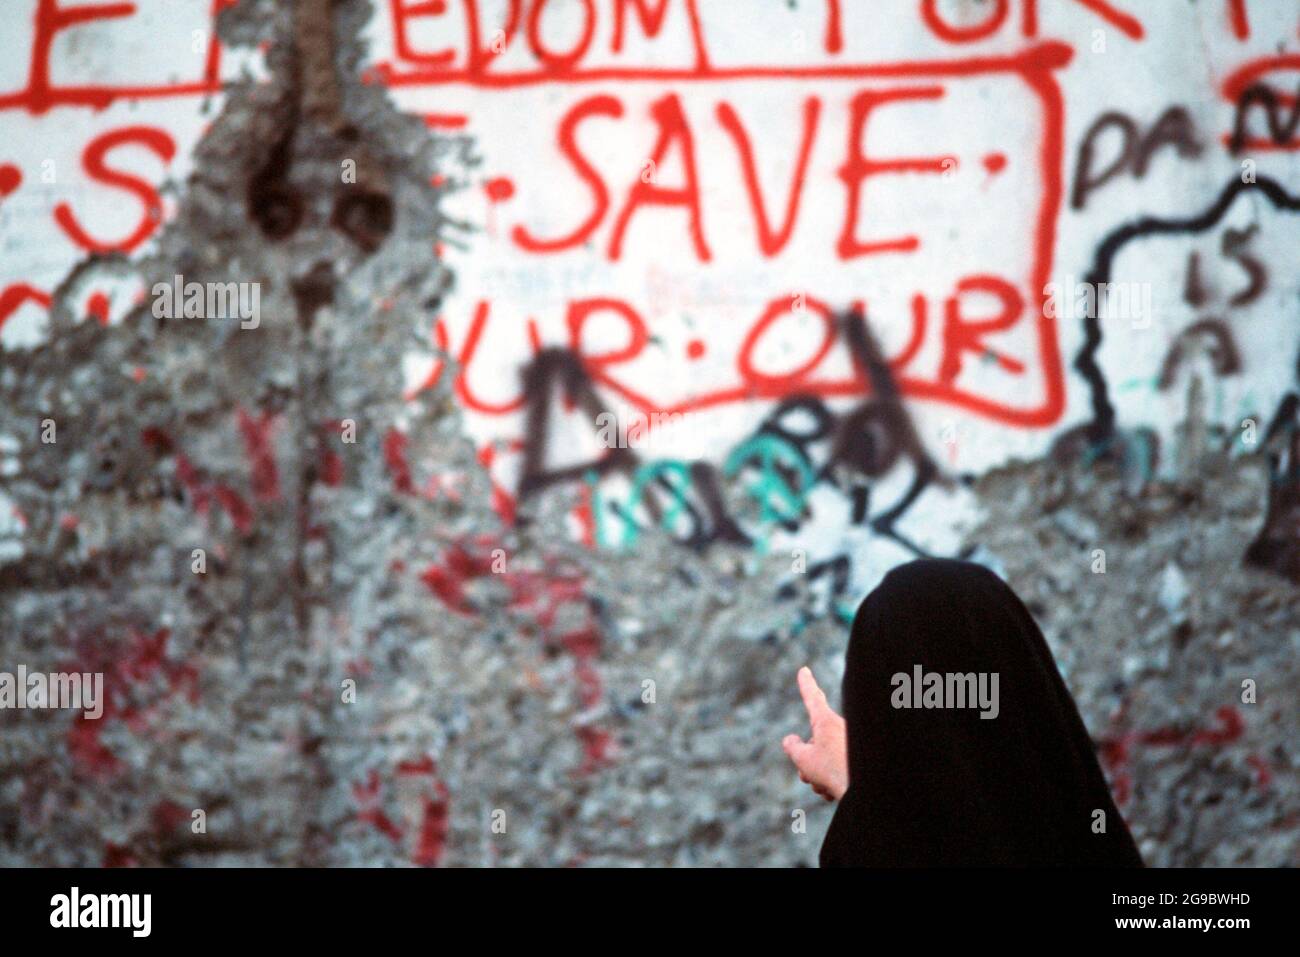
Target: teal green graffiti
592	478
644	476
779	501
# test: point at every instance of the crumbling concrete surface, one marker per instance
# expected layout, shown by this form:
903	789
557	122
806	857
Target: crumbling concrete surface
1184	661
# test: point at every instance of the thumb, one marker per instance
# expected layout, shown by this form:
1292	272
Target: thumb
797	749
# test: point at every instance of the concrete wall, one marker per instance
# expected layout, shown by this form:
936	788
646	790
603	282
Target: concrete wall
1010	280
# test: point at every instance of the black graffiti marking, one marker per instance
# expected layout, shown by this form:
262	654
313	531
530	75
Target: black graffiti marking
724	528
868	440
1174	128
558	366
1211	334
1277	546
1194	293
1136	451
861	494
823	422
1222	345
1234	243
1284	417
719	527
886	410
862	443
1280	130
1102	424
837	566
549	367
886	405
1233	246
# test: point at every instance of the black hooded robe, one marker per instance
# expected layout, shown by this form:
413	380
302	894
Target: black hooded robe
943	786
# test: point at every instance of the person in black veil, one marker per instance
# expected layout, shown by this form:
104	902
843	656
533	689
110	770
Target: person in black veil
960	744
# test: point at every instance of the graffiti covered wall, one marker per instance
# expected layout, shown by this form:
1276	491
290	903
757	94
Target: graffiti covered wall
696	196
712	312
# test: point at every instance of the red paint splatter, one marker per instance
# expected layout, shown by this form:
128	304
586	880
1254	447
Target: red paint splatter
395	444
448	589
543	596
995	162
86	749
499	189
1232	728
155	438
11	178
241	514
125	677
424	766
167	816
115	855
503	503
14	296
1263	773
369	799
257	443
1116	750
98	308
595	748
464	564
329	464
446	121
330	468
433	829
435	812
1238	20
195	486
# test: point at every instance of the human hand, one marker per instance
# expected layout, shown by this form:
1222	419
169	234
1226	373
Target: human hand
823	760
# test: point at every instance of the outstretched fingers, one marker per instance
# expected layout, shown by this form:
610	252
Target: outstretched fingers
814	699
822	760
